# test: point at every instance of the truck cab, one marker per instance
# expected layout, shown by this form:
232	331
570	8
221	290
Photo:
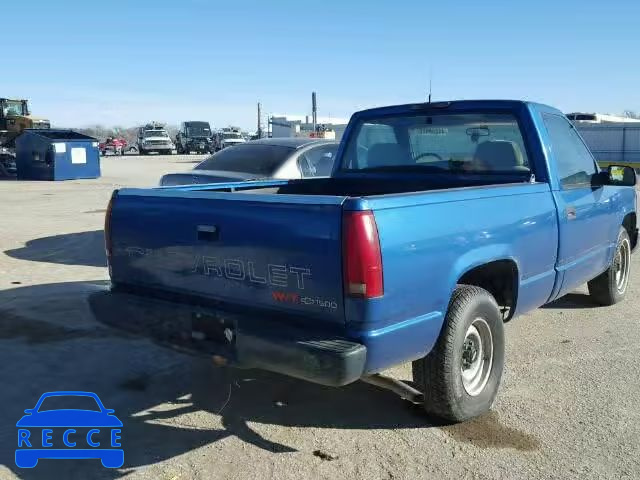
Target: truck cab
14	118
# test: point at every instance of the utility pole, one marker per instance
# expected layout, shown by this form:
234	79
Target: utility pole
314	110
259	122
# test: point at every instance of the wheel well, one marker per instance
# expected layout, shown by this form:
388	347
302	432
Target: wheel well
500	279
629	223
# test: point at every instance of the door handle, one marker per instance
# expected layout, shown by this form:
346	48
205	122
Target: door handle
571	213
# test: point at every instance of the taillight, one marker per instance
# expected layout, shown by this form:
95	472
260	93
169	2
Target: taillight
362	261
107	227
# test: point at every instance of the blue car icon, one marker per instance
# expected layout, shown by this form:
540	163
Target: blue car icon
69	433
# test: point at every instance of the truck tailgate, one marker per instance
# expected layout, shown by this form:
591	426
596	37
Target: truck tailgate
240	249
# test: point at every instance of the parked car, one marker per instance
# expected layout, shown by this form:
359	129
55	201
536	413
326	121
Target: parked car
440	222
266	158
195	137
116	146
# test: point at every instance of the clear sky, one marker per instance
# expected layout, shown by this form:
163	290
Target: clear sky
128	61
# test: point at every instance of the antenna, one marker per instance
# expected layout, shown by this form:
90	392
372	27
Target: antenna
430	78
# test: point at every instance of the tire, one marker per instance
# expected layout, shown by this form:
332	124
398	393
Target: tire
610	287
473	315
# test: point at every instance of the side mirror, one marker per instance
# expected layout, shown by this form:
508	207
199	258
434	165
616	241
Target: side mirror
29	411
617	175
621	175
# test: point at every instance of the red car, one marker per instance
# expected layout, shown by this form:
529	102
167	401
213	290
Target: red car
117	146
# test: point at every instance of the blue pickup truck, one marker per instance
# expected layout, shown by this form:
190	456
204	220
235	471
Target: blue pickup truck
440	222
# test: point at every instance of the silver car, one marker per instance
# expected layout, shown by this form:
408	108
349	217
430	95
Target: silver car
283	158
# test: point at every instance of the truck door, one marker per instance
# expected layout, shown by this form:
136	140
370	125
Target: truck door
583	210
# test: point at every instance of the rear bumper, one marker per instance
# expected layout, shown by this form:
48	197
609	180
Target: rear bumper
245	342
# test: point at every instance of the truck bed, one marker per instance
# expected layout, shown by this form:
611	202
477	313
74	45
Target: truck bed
359	186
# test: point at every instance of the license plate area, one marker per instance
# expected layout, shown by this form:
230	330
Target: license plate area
212	329
201	332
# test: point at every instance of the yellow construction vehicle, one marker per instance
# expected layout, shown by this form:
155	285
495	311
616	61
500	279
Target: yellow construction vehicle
14	118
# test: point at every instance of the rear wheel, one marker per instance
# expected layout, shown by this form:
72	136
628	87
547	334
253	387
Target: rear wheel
461	375
610	287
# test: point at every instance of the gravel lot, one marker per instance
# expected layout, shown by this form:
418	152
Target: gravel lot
567	408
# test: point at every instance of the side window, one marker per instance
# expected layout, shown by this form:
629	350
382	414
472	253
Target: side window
318	161
369	135
574	162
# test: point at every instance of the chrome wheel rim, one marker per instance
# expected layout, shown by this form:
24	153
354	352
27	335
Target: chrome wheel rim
477	357
621	265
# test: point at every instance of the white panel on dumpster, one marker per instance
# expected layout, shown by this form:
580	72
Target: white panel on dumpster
78	155
60	147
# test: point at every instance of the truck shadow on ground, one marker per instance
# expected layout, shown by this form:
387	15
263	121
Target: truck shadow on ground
82	248
171	403
572	301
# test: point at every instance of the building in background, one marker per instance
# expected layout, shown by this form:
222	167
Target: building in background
302	126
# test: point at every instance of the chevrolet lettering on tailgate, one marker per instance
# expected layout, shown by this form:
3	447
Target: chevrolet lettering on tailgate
231	268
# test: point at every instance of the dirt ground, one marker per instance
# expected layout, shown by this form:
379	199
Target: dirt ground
568	406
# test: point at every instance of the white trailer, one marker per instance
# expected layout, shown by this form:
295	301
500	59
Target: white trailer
617	143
